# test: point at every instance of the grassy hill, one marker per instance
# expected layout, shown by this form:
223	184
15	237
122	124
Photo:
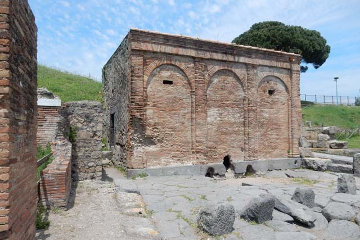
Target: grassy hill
330	115
341	116
69	87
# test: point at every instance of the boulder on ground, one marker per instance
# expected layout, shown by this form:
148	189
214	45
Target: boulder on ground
217	220
304	196
335	144
295	210
346	184
342	229
356	165
259	209
340	211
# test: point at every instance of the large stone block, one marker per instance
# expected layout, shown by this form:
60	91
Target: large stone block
217	220
356	165
346	184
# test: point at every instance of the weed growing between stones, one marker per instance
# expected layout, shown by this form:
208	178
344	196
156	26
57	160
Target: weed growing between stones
305	181
141	175
187	198
104	143
41	219
203	197
72	134
122	170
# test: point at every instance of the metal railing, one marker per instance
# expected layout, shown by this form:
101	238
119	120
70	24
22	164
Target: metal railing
332	100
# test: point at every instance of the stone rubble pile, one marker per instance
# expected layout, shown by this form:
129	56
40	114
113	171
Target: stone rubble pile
335	218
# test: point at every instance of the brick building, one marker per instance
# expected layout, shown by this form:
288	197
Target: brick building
18	112
174	100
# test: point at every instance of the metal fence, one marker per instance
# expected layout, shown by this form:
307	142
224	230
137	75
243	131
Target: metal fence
322	99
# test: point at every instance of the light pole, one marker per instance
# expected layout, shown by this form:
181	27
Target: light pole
337	101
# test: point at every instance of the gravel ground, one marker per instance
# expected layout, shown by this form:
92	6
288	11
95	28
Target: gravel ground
95	214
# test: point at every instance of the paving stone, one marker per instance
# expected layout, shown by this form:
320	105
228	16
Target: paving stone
357	219
304	196
217	220
346	198
293	209
277	215
280	226
294	236
342	229
259	209
256	232
346	184
336	210
320	223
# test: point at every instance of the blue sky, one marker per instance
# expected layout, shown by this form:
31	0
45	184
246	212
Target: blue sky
80	35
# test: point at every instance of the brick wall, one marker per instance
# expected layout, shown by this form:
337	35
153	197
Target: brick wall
48	118
18	188
193	101
55	183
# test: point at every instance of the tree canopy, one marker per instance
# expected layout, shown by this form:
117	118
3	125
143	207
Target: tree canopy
295	39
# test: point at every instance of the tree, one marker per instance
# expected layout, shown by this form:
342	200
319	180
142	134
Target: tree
295	39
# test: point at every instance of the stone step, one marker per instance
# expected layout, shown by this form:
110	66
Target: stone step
341	168
336	159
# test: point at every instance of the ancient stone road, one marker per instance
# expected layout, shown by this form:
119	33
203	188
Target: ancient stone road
172	204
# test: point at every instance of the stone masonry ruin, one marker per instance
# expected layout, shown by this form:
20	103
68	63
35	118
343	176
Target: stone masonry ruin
174	100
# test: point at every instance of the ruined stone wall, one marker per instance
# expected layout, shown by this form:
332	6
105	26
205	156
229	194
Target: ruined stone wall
18	112
116	85
195	101
85	119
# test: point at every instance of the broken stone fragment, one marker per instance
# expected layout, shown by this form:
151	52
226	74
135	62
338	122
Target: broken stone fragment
259	209
304	196
346	184
217	220
295	210
335	144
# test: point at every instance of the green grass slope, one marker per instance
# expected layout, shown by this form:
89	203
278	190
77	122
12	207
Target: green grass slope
330	115
69	87
341	116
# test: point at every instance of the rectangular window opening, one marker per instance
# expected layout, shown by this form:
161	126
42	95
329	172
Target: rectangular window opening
112	129
169	82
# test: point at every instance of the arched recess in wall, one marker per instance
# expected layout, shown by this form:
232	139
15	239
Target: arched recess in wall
273	118
168	116
225	116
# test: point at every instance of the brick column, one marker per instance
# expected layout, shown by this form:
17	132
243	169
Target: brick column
200	110
137	111
295	114
251	123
